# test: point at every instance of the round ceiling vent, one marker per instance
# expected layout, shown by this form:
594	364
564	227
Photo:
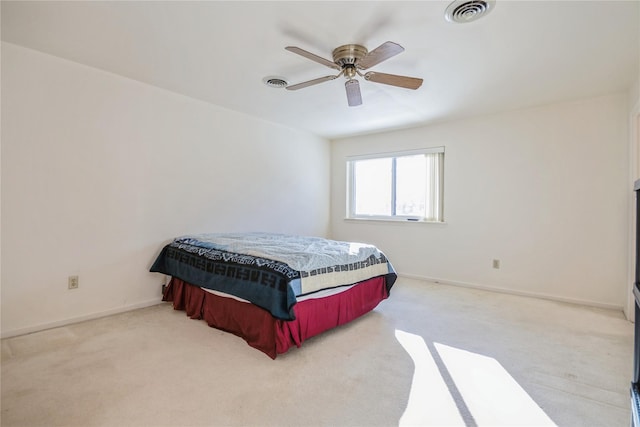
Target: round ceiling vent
275	81
463	11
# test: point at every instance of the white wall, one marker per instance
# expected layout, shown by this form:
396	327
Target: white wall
99	171
544	190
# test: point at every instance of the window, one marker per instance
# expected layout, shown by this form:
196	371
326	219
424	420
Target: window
405	186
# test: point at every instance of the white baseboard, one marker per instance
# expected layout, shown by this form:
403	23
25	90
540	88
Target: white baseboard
155	301
64	322
515	292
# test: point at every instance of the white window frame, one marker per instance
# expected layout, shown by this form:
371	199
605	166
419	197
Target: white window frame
436	187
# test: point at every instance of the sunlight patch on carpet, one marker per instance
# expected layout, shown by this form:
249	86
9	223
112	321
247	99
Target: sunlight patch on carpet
478	385
492	395
430	402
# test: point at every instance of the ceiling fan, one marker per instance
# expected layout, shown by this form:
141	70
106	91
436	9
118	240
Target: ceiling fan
349	59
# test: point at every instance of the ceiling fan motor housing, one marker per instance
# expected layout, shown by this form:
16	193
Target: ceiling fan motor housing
348	54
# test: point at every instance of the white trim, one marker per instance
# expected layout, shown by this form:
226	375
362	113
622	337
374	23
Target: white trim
514	292
634	149
71	320
430	150
401	220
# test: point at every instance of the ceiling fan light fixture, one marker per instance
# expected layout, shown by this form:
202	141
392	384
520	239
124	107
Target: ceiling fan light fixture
275	82
464	11
354	97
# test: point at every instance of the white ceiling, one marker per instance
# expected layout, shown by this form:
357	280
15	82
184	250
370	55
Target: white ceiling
523	53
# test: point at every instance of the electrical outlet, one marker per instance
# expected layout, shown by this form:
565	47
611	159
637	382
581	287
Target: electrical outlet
73	282
496	263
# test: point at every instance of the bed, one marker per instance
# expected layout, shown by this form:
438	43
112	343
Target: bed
273	290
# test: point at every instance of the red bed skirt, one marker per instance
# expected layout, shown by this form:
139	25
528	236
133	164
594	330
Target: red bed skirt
264	332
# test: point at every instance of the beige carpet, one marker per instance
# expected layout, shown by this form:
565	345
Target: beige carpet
429	355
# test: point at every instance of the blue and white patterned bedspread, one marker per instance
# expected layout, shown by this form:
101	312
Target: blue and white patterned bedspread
271	270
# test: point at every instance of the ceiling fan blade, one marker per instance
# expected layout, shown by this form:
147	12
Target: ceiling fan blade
311	82
383	52
394	80
354	97
313	57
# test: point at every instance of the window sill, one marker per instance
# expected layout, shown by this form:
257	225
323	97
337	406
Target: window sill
392	221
